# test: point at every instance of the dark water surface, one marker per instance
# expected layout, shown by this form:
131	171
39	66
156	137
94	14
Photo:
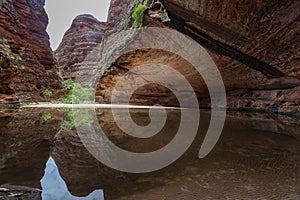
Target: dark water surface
257	157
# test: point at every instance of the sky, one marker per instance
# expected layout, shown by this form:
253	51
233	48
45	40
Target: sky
62	12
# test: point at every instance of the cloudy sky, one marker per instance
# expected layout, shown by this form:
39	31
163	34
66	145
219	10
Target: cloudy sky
62	12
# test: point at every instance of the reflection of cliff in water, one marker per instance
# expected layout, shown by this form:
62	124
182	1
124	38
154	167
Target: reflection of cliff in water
25	140
245	163
250	161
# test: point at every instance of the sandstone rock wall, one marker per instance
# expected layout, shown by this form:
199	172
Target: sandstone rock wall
27	62
267	31
253	43
84	35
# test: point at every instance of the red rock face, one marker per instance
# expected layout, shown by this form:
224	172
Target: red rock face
253	43
267	31
84	35
23	24
118	11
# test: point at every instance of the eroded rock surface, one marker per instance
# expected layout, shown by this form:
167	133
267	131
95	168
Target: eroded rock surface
84	35
27	63
254	45
266	31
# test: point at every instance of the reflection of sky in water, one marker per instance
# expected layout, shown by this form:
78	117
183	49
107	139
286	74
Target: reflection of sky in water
55	188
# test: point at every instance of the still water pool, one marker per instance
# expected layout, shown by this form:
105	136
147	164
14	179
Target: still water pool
256	157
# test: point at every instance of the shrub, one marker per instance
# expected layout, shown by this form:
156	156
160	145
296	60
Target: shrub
15	58
77	93
46	117
81	94
138	15
47	93
6	45
84	116
68	84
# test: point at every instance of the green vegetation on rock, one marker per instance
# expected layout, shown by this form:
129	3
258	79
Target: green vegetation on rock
6	45
83	116
46	117
127	16
138	15
47	93
77	93
13	58
68	84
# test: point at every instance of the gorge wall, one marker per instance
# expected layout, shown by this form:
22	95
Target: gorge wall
82	37
246	38
27	62
254	44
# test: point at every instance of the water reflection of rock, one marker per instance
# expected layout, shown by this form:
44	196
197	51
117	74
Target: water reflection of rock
281	124
80	170
24	145
248	162
83	173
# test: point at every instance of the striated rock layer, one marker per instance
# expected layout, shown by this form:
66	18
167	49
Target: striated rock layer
27	62
254	44
84	35
84	38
